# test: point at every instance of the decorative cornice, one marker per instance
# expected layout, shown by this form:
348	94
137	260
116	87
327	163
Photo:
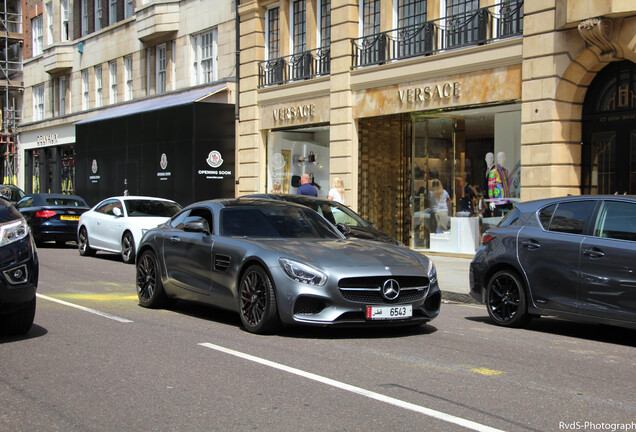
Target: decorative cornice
598	33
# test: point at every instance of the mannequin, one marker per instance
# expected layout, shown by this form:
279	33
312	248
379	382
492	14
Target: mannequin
498	183
483	184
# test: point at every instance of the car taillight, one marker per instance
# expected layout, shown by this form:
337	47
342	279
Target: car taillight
45	213
486	238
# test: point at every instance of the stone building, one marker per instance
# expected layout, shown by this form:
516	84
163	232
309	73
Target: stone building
102	58
492	102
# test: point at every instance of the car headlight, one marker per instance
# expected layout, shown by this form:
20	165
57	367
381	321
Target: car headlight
432	272
13	231
302	272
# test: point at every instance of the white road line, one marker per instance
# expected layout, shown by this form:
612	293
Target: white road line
367	393
85	309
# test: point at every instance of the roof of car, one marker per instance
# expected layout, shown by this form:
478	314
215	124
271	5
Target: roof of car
546	201
138	197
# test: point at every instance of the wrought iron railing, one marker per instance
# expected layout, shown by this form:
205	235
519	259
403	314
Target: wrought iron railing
456	31
305	65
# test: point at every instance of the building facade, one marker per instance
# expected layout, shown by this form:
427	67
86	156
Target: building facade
86	57
437	114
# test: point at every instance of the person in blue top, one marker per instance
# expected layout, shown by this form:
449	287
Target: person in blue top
306	187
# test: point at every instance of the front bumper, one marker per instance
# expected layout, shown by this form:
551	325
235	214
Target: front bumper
19	272
304	304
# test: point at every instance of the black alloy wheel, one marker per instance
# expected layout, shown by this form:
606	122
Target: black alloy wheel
82	243
506	299
259	313
128	248
149	288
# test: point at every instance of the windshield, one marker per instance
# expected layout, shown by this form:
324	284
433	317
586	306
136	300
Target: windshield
341	214
145	208
278	222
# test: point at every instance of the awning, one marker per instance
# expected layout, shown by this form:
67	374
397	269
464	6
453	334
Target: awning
156	103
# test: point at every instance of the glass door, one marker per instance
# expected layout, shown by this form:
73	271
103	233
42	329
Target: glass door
433	173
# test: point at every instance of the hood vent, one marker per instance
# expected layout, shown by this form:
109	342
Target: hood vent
221	262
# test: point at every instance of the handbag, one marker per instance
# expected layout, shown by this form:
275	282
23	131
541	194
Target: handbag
295	181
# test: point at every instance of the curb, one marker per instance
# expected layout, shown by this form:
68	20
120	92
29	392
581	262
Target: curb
458	297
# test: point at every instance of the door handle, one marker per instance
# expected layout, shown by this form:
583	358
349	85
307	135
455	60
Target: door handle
531	244
594	253
175	239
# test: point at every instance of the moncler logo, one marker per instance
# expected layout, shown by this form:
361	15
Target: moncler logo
94	166
214	159
163	162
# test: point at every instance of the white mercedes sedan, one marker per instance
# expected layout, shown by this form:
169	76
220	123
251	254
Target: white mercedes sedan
117	224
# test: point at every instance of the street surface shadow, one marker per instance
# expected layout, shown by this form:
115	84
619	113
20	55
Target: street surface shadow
35	332
577	329
222	316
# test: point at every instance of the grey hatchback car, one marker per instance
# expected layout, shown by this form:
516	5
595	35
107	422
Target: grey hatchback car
572	257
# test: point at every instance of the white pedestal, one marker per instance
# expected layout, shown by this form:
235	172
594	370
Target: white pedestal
463	237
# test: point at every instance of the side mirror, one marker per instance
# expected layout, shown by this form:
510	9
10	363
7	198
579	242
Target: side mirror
344	228
198	225
117	211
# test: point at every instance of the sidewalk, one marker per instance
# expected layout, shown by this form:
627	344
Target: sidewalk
452	274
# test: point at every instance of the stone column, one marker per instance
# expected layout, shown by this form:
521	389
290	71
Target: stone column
343	132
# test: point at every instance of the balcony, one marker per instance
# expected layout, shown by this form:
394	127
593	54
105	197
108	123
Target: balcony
156	19
58	58
478	27
301	66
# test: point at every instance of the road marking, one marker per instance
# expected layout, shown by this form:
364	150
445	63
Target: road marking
486	371
360	391
85	309
99	297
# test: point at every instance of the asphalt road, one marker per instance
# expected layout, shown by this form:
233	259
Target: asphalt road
114	366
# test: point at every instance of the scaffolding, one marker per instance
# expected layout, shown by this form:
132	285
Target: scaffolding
11	85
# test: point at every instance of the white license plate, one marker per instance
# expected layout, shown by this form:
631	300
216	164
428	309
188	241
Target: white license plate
389	312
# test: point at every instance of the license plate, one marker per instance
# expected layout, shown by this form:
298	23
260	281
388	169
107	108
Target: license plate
389	312
67	217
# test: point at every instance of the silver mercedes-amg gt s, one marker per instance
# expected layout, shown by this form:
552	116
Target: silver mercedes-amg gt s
278	262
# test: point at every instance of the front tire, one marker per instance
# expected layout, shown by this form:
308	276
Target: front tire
258	309
82	243
19	321
149	287
506	299
128	248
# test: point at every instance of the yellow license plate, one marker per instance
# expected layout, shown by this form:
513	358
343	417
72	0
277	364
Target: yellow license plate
66	217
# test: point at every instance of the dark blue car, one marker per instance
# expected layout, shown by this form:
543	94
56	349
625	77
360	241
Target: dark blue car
18	272
572	257
52	217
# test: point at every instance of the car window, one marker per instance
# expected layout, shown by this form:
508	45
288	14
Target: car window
335	215
178	220
70	202
616	220
202	213
26	202
107	207
570	217
545	216
152	208
511	219
283	222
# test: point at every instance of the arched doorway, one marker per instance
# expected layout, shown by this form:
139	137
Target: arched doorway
609	131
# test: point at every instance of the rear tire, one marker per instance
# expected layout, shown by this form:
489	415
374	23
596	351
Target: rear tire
149	287
257	301
128	248
19	321
506	299
82	243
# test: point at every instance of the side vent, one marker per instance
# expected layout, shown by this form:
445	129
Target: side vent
221	262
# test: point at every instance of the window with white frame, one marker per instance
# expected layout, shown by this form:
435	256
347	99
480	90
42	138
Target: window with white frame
85	89
128	72
98	15
84	12
38	102
128	10
49	23
98	86
64	30
112	72
38	37
112	12
160	83
62	87
205	57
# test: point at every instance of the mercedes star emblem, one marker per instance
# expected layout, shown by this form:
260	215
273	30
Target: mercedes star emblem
391	289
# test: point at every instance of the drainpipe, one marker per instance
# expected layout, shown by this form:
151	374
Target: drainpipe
238	58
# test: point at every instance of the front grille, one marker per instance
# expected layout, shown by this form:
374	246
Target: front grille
375	282
375	297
